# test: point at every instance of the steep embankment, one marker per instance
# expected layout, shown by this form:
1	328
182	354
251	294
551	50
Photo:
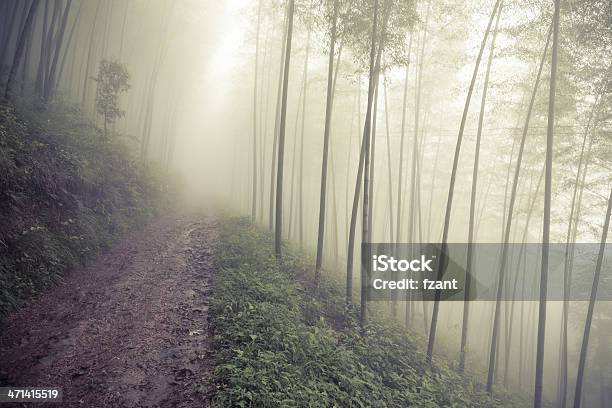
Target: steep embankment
65	194
279	343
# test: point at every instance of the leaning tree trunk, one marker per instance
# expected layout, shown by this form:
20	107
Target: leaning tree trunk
451	189
592	299
470	244
328	114
362	169
508	225
366	158
568	258
278	231
539	371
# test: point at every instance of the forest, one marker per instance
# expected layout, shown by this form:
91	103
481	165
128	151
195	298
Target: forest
306	203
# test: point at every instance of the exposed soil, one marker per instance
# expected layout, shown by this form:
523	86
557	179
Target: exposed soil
130	330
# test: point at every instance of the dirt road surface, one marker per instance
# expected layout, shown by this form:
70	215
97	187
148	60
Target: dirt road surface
130	330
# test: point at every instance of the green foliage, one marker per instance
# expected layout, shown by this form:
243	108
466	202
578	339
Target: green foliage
113	78
279	344
65	193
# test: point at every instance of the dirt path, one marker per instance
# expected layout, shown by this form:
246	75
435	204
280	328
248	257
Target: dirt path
128	331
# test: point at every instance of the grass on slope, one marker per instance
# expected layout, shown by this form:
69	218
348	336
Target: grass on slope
280	345
65	193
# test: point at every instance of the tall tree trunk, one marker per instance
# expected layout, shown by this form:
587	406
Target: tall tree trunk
589	317
389	171
470	241
508	224
89	57
451	189
539	371
372	156
362	169
6	41
281	138
366	160
68	42
254	193
400	171
43	50
26	62
328	114
374	73
354	208
567	272
302	136
25	32
277	122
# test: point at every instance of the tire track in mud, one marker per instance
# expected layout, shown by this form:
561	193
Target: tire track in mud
130	330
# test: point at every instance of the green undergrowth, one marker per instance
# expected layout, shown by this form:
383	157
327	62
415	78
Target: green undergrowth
278	344
65	193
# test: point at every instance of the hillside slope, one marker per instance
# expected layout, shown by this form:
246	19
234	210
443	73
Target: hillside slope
278	342
65	193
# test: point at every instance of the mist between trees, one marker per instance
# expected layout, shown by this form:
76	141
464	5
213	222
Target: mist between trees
334	123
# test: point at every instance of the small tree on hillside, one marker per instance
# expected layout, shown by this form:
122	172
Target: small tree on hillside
113	78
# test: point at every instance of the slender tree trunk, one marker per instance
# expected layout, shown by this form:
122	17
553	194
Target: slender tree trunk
374	73
25	32
470	241
302	136
254	192
43	50
400	171
281	137
348	161
508	225
567	273
537	398
366	160
51	77
8	14
449	202
69	42
591	308
26	62
372	156
389	171
277	123
6	41
264	100
328	114
360	174
89	57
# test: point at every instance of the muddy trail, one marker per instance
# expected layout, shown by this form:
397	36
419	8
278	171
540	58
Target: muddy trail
130	330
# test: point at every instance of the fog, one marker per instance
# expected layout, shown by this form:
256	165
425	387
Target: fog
200	108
